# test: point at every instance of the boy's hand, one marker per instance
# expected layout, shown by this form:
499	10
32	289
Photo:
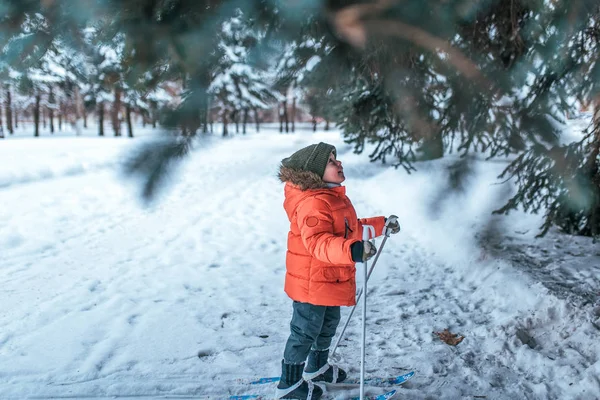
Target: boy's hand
362	251
369	250
393	225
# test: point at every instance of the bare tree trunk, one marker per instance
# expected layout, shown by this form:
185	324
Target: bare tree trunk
60	115
9	124
1	126
245	121
115	112
326	125
433	146
279	111
128	116
51	118
235	118
153	111
36	113
205	122
43	110
286	116
256	120
314	122
78	112
101	118
16	118
51	102
225	131
85	116
294	114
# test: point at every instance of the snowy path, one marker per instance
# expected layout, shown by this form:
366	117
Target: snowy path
102	298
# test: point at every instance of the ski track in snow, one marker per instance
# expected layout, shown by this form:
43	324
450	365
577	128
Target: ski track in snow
104	298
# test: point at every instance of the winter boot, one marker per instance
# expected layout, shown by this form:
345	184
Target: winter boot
292	386
319	370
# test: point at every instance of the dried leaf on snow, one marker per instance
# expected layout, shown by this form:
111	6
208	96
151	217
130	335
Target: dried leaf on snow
449	338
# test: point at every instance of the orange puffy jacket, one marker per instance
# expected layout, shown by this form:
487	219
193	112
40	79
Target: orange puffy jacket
323	226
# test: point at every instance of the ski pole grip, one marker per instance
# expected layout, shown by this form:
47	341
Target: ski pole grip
389	220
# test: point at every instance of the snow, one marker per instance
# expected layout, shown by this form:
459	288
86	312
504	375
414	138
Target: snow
111	57
44	78
103	297
505	101
312	62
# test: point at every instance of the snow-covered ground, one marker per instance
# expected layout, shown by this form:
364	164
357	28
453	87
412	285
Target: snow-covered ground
103	297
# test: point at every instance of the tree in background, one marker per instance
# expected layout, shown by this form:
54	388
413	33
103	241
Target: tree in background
416	80
238	84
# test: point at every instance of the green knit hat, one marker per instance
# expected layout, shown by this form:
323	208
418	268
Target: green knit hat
312	158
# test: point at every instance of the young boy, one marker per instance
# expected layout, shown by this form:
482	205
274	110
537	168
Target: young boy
324	243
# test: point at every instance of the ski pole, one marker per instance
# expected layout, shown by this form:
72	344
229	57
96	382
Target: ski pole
366	230
358	296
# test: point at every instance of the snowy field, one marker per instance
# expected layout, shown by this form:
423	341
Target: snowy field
102	297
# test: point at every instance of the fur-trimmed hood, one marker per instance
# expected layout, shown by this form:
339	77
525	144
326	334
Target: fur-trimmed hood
305	180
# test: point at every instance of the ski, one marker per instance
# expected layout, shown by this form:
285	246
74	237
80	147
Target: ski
384	396
373	381
260	381
379	381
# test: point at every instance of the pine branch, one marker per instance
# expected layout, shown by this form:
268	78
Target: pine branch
154	162
556	180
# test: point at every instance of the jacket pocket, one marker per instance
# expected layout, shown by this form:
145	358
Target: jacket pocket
332	274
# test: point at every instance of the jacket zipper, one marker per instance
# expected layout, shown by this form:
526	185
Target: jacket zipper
347	228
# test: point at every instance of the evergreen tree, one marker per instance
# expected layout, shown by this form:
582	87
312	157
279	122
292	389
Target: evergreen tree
494	79
564	180
416	79
291	71
239	85
66	71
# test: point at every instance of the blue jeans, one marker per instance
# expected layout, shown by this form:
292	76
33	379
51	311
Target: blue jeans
312	327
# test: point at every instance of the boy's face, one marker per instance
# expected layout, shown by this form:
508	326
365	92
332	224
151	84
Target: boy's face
334	172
